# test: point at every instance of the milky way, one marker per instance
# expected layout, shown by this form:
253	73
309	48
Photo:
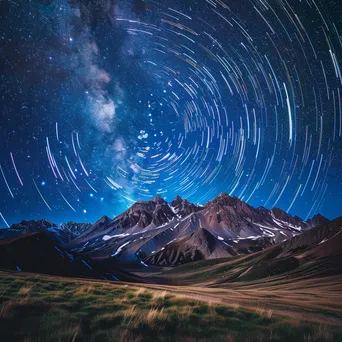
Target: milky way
104	104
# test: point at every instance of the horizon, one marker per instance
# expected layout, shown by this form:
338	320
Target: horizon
141	200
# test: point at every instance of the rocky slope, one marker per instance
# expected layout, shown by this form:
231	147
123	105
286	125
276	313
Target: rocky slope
166	234
304	262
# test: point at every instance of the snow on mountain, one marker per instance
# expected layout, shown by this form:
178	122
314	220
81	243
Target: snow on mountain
162	233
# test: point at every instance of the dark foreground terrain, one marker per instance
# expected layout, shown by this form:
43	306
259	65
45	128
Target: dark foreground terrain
46	308
282	291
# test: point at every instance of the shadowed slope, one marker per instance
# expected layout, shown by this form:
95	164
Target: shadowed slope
160	233
315	253
37	253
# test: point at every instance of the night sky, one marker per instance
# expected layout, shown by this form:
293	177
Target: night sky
102	105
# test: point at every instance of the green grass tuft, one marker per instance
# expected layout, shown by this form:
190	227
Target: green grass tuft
49	309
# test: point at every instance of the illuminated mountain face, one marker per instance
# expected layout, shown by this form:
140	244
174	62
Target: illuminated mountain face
108	103
168	234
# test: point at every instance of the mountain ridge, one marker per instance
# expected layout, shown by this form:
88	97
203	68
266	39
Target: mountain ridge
150	228
161	233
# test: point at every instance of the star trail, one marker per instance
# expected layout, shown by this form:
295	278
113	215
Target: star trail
105	103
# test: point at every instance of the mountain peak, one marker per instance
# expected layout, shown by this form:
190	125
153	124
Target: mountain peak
278	213
158	199
285	217
223	199
223	195
318	220
177	199
183	207
41	223
104	218
102	223
320	216
143	213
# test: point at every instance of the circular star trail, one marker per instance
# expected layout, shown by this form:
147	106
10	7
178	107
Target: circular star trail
104	103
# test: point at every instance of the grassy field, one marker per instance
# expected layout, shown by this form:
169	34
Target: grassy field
312	290
45	308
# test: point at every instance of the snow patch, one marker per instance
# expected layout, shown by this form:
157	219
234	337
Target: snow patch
269	233
108	237
174	210
120	248
263	226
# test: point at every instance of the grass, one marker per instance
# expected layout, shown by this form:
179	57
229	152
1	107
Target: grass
43	308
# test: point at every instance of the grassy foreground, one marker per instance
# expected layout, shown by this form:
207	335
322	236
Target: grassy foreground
43	308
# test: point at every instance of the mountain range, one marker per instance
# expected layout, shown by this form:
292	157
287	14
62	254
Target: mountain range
162	234
168	234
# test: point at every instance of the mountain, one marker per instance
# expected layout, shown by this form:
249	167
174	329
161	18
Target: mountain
62	234
314	254
321	241
182	207
318	220
202	245
38	253
75	228
167	234
199	245
32	226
